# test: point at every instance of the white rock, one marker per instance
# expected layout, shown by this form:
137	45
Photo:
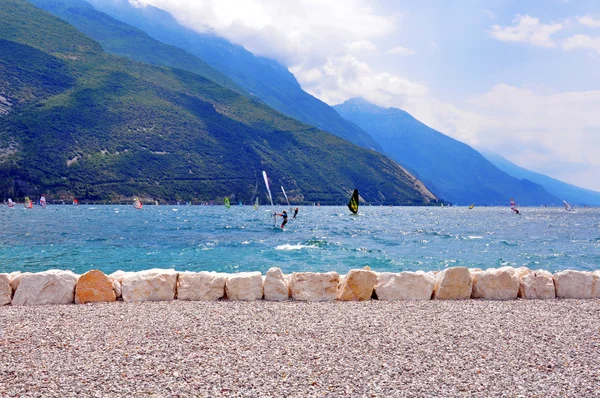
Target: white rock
574	284
5	289
117	278
117	288
496	284
405	285
15	279
314	286
358	285
596	286
246	286
48	287
275	285
151	285
453	283
201	286
536	284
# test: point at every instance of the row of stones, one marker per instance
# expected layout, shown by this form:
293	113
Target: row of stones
456	283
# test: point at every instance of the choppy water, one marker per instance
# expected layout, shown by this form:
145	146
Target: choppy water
198	238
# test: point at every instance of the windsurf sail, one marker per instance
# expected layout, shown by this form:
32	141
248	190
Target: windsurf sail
472	205
256	204
10	203
227	203
75	202
137	204
353	204
43	201
513	206
568	206
28	203
270	196
287	200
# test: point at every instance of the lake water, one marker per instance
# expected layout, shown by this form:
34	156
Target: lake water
196	238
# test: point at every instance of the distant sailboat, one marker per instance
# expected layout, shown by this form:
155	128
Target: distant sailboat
256	204
10	203
353	204
43	201
227	203
568	206
137	204
28	204
472	205
75	202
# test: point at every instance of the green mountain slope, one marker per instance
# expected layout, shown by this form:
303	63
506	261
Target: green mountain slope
118	38
78	121
268	80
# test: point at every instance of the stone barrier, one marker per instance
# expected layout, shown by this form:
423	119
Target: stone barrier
455	283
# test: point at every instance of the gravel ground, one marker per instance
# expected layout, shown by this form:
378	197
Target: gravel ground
433	348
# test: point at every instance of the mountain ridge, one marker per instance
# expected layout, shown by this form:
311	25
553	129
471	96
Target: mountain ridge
451	169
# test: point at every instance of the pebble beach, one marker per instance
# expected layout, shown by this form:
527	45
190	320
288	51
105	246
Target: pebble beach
471	348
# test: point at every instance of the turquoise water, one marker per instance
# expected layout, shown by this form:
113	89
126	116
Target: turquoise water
198	238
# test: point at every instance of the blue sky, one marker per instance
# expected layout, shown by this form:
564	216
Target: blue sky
520	78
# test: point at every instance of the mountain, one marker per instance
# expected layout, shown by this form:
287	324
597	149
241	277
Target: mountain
452	170
118	38
262	77
78	121
562	190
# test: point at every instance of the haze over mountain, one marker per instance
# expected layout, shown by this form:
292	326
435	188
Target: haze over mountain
262	77
452	170
78	121
571	193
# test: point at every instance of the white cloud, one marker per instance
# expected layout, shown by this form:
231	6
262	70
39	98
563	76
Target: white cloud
361	47
553	133
293	32
527	29
400	51
589	21
489	14
582	41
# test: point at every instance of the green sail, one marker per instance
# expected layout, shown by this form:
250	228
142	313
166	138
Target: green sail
227	203
353	204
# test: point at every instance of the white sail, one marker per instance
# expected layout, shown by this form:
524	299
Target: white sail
287	200
43	201
568	206
270	196
137	204
10	203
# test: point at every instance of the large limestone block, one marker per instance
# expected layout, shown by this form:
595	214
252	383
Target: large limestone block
453	284
117	278
5	289
358	285
275	285
201	286
536	285
15	279
574	284
314	286
405	285
48	287
150	285
596	285
246	286
94	287
496	284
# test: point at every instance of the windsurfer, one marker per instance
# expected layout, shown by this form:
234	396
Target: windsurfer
295	212
285	218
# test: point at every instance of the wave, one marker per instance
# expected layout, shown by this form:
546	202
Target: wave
298	246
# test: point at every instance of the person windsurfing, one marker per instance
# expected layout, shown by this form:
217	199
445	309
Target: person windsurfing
285	218
295	212
513	206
